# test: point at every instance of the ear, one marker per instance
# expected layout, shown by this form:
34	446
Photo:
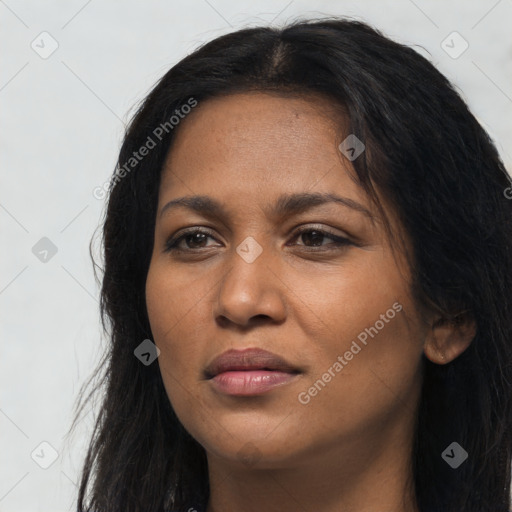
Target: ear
447	339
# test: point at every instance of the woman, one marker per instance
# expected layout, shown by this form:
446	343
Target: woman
307	285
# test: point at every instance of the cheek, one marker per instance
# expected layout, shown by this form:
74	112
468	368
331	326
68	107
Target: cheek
179	313
174	301
173	316
379	382
369	320
342	301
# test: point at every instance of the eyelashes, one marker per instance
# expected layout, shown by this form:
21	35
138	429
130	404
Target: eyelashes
201	235
173	243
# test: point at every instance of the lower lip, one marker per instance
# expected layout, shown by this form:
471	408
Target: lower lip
254	382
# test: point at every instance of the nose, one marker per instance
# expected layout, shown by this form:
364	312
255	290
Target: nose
251	292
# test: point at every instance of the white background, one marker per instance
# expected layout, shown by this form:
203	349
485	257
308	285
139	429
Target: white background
62	124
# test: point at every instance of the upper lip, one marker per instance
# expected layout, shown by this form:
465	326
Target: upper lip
248	359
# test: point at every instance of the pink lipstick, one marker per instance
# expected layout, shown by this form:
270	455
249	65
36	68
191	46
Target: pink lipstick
249	372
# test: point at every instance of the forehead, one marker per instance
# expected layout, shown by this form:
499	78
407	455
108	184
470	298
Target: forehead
247	151
259	138
264	111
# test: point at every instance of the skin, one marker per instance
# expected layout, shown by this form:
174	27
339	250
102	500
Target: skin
303	298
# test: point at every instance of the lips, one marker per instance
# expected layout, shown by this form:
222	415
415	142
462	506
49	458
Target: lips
250	372
247	360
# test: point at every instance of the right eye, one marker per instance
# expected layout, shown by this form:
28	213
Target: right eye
190	237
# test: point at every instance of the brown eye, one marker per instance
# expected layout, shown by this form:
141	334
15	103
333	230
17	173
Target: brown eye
194	239
314	237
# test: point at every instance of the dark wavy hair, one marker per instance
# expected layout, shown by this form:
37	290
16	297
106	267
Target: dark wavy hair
426	154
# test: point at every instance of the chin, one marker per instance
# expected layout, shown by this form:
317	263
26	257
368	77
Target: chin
246	447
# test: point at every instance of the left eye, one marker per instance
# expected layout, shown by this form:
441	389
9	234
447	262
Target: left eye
314	236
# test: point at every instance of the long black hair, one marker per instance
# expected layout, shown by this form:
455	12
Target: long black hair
425	153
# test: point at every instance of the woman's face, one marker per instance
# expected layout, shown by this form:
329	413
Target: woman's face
333	302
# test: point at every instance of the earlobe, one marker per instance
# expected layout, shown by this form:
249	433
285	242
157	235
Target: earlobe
448	339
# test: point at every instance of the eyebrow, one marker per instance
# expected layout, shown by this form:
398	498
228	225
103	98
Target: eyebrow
286	204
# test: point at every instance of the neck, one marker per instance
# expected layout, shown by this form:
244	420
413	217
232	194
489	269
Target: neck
359	476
